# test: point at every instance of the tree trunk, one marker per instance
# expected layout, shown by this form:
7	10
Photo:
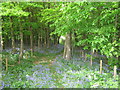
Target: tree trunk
67	47
31	41
1	45
47	37
21	43
39	45
1	41
41	41
48	31
55	39
57	42
12	35
27	40
30	28
64	54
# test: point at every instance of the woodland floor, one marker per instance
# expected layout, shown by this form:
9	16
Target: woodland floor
52	71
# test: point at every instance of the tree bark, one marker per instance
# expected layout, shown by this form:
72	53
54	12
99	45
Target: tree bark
47	37
1	45
12	35
48	31
55	40
41	41
31	41
30	28
67	47
21	43
1	42
39	45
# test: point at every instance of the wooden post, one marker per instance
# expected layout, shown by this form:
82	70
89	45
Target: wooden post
6	64
100	66
91	58
115	72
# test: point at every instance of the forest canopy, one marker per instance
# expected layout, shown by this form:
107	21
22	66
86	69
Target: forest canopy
93	25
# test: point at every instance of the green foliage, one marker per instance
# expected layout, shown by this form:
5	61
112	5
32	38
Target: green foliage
12	9
103	81
12	58
94	24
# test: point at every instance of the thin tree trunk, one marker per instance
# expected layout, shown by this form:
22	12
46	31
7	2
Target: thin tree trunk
55	40
39	40
45	40
1	41
31	41
31	35
1	45
47	37
12	35
48	31
35	39
21	43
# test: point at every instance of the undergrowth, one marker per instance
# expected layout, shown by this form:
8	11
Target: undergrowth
59	73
